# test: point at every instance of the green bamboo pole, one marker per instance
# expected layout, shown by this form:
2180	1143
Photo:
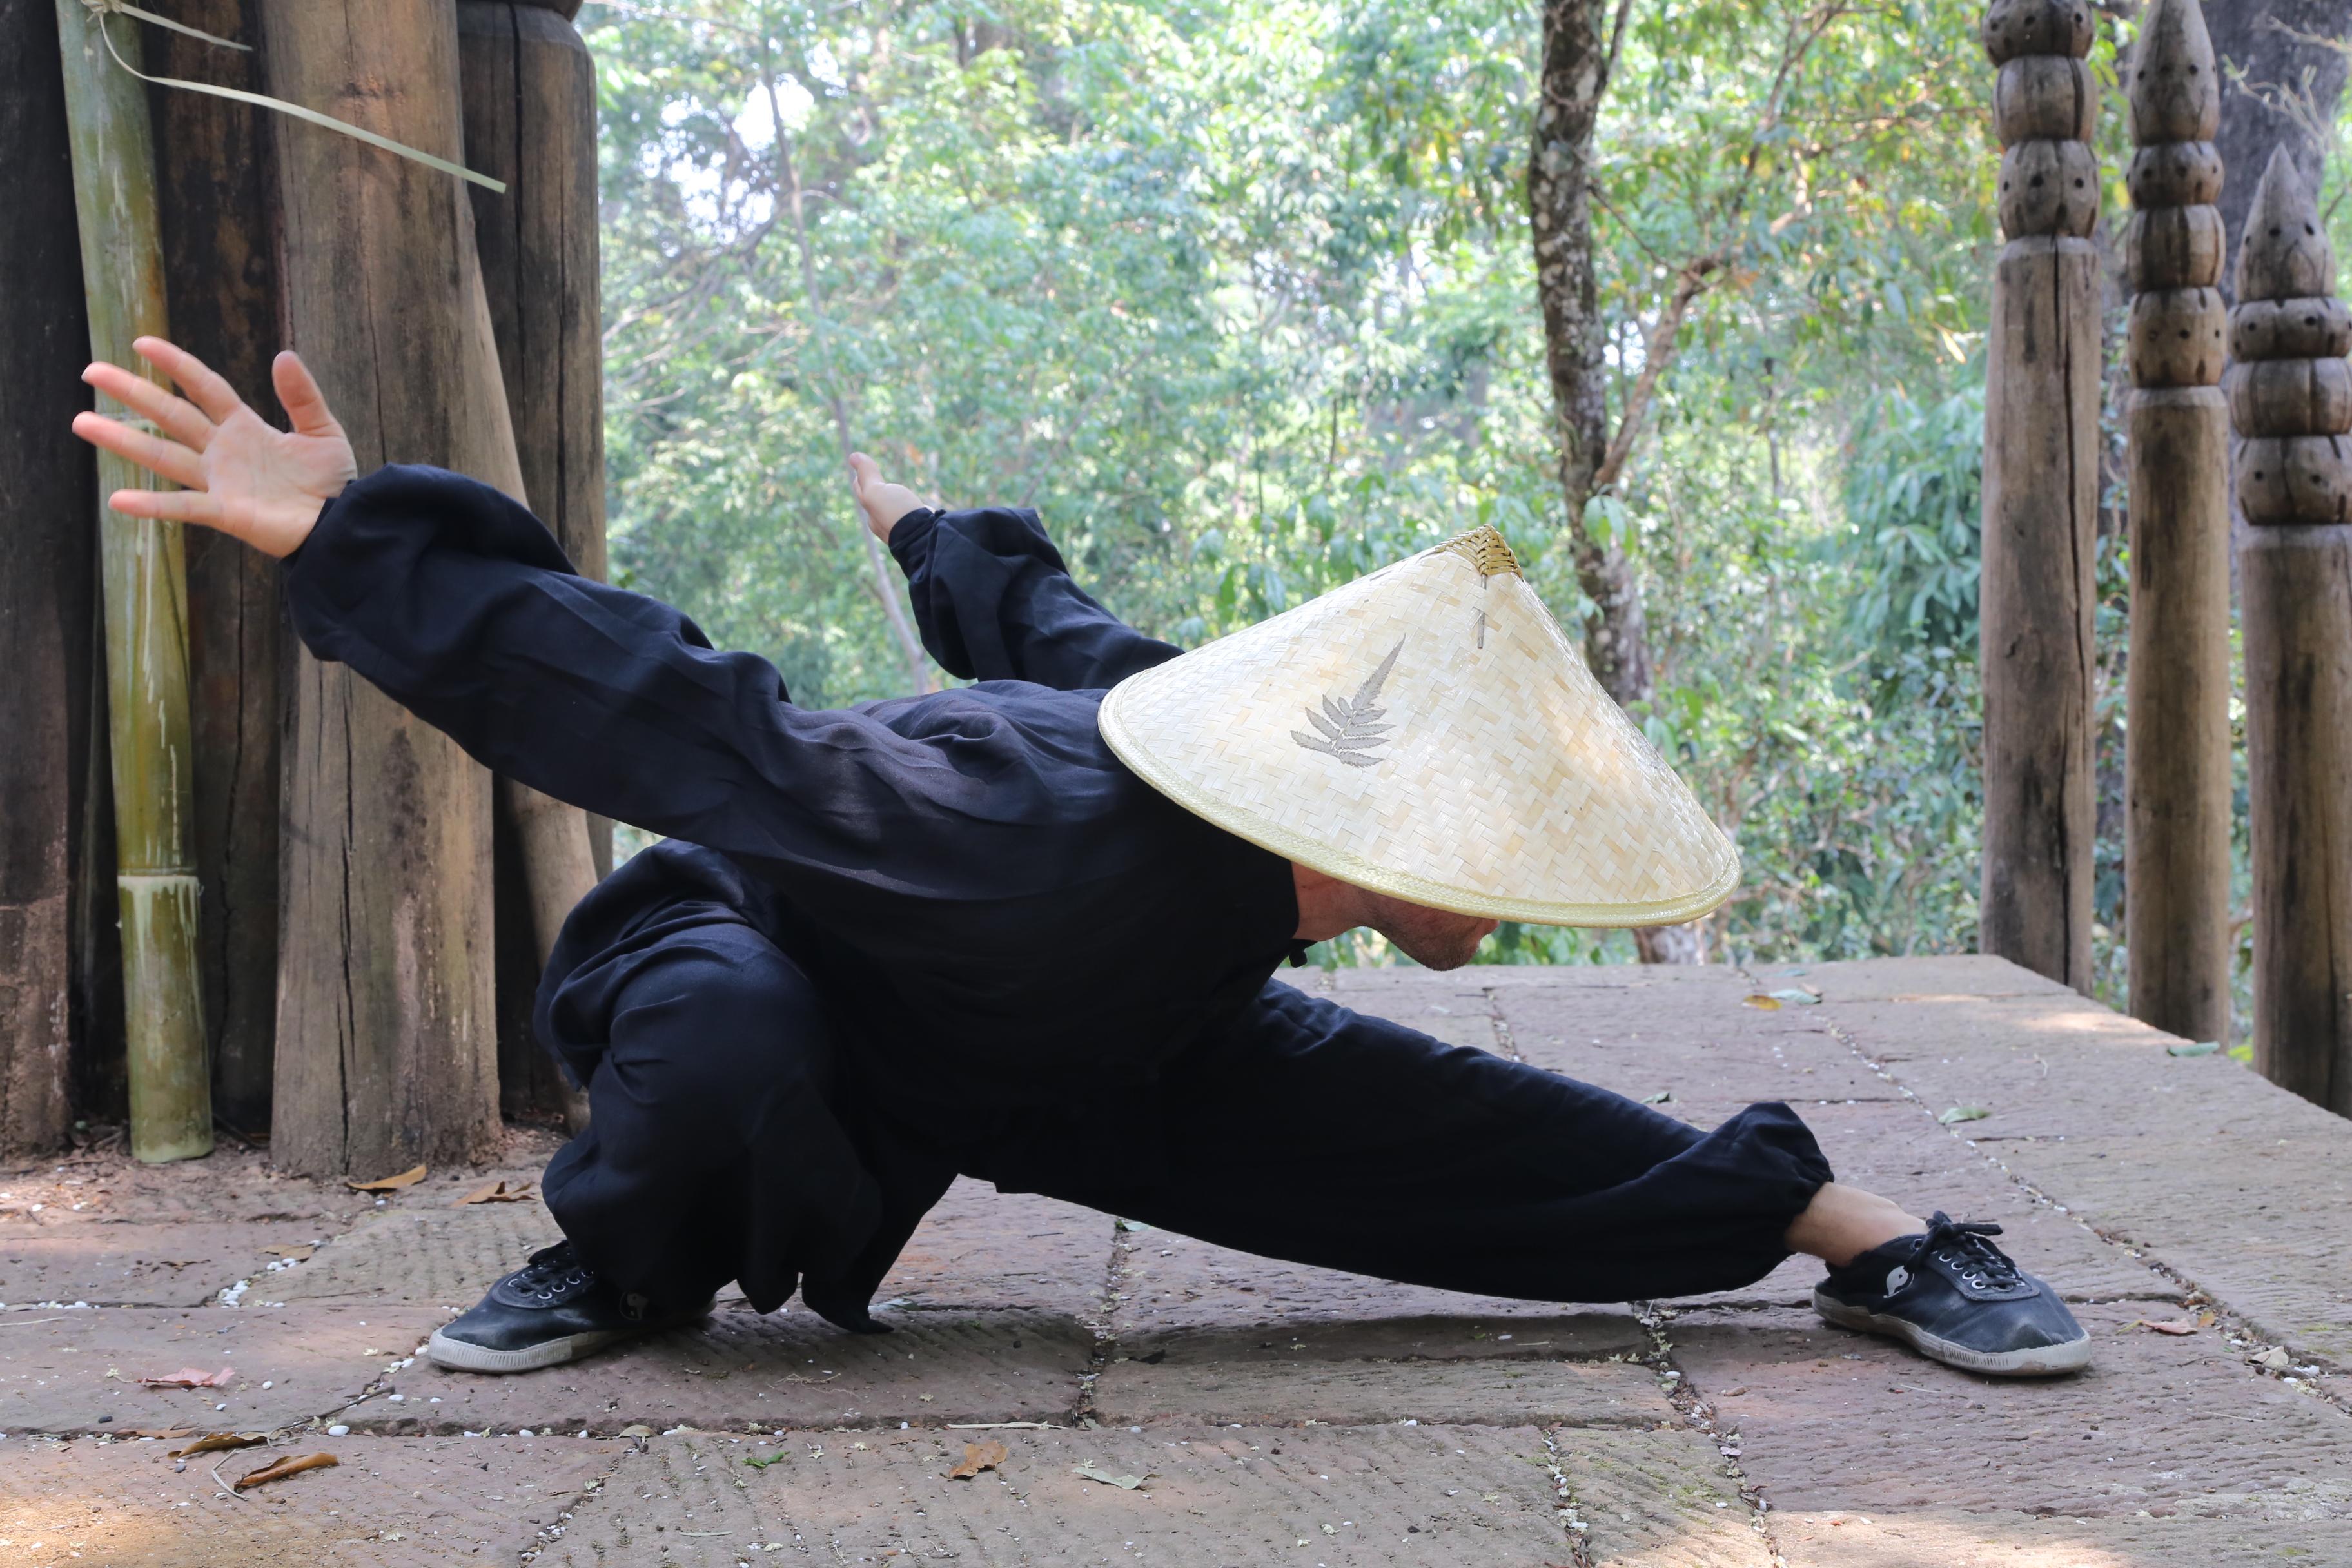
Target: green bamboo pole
145	589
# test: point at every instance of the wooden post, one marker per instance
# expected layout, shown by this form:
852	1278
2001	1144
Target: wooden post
385	1044
2041	495
217	188
2177	770
529	99
2291	399
48	586
145	586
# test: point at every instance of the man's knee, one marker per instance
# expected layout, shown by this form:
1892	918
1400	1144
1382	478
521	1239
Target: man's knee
712	1028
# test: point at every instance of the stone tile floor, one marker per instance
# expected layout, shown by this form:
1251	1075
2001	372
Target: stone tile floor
1267	1413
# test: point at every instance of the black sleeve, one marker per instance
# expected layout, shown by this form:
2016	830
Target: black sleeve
994	602
460	607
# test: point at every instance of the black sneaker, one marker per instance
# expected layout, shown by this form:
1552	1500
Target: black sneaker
553	1309
1954	1297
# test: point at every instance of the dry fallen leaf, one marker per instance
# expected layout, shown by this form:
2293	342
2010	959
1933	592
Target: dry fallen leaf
190	1377
291	1254
289	1466
1124	1483
2167	1327
978	1457
498	1193
407	1178
1765	1003
1954	1115
218	1441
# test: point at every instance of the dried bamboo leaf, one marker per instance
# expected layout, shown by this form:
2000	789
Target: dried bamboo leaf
289	1466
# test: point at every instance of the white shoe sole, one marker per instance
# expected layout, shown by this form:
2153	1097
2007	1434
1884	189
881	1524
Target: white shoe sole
2042	1361
459	1357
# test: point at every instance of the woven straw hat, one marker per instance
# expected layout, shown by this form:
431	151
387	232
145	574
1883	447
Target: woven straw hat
1427	732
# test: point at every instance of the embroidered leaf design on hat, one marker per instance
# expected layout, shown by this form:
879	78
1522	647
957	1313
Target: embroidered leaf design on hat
1350	728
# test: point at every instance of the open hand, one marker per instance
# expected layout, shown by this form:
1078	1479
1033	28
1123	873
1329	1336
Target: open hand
884	502
243	475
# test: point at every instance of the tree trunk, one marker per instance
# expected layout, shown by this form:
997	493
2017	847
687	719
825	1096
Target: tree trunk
386	1025
144	593
2178	763
2279	89
48	586
1576	66
217	189
529	97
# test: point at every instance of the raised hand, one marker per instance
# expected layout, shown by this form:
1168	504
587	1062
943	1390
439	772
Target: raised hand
243	475
884	502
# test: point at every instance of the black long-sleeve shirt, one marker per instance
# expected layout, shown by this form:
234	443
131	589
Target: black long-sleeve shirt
1000	909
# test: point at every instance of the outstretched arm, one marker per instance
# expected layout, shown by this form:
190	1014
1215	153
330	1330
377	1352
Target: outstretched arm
457	603
992	598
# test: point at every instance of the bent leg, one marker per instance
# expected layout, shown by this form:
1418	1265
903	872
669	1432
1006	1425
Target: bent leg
714	1150
1315	1134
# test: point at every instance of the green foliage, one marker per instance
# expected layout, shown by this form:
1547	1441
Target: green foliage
1240	295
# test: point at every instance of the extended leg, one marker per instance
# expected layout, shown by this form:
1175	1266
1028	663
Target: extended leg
1311	1133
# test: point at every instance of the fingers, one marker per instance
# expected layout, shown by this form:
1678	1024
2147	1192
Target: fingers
862	471
306	406
180	419
167	459
168	506
203	384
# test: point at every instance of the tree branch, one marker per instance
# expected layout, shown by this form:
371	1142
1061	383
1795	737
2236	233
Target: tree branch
1657	353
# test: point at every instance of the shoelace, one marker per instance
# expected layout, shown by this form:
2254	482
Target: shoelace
551	1272
1966	1248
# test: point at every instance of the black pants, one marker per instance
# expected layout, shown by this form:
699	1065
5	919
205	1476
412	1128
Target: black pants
736	1133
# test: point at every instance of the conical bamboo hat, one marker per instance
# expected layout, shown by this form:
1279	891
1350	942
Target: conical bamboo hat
1428	733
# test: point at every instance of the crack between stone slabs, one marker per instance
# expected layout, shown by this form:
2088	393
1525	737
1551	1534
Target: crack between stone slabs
2232	1324
1505	1041
1698	1413
1105	1326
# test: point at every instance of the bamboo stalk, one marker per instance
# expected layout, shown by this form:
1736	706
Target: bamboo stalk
144	582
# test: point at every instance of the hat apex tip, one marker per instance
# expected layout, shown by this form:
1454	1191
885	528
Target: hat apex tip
1487	550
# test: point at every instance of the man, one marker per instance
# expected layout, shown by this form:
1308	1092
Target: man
964	934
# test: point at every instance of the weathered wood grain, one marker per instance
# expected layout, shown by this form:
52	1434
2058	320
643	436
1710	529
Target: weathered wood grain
2041	503
2177	768
385	1040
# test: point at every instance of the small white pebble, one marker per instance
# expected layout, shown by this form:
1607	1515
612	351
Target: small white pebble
395	1398
223	1405
269	1383
339	1431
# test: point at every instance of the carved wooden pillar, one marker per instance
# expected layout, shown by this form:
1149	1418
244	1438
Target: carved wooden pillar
2176	771
2041	495
2291	399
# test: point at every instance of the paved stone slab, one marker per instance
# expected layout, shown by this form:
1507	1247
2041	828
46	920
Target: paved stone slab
1832	1420
2203	1164
108	1264
1171	1286
1264	1392
1658	1499
55	1370
981	1248
229	1185
1429	1496
1454	1008
786	1369
1700	1043
437	1257
2022	1540
1940	975
427	1502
